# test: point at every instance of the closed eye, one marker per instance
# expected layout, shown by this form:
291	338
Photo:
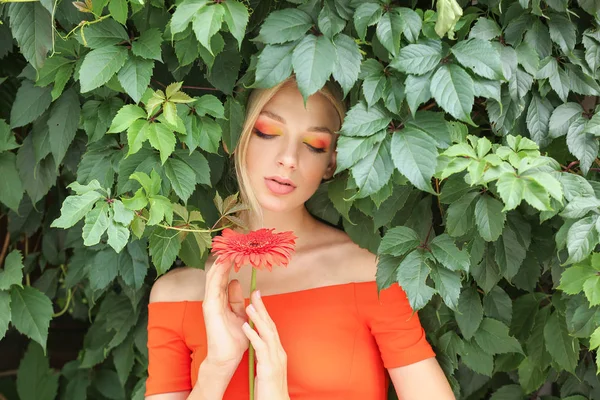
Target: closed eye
263	135
315	149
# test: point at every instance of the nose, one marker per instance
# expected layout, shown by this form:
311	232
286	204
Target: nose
288	155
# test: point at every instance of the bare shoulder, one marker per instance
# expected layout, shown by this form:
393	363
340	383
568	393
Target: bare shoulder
180	284
353	263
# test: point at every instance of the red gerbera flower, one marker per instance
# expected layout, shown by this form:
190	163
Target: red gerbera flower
260	248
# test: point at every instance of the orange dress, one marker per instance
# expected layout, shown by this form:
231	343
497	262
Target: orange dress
339	340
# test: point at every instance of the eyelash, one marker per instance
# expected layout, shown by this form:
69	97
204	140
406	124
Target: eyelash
268	137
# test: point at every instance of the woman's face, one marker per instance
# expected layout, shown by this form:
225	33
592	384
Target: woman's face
291	149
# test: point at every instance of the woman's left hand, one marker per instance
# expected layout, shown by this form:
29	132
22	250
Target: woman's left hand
271	368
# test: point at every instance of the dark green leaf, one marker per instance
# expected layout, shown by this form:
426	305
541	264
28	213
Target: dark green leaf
398	241
31	313
412	276
313	60
492	336
148	45
284	26
563	348
31	26
104	33
164	246
452	88
30	102
415	156
62	124
135	76
11	188
35	378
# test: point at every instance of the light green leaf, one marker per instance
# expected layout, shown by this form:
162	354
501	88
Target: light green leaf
492	336
118	10
415	156
137	134
445	251
350	150
591	288
182	177
104	33
62	124
367	14
374	170
160	208
562	117
30	102
528	58
582	238
274	65
75	208
122	215
417	59
347	64
100	65
184	13
35	379
484	29
11	188
162	139
284	25
207	23
452	88
595	339
581	144
125	117
479	56
148	45
389	31
579	207
96	223
563	348
417	90
448	285
313	60
118	235
412	276
31	25
469	313
13	271
31	313
510	188
363	121
411	23
236	17
398	241
164	246
489	218
449	12
135	76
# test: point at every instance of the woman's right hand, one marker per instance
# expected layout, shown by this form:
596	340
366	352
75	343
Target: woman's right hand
224	314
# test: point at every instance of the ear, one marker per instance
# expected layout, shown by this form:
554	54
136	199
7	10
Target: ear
331	166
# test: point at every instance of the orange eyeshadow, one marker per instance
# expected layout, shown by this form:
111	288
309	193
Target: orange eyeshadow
318	143
268	128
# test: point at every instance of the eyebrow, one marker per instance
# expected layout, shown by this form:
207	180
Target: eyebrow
280	119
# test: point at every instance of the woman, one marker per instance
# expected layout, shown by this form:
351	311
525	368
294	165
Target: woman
322	332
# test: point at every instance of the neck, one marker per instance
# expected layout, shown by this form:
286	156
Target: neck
299	221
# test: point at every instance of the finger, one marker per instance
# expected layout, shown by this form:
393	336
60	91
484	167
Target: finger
216	280
266	330
236	298
263	313
259	345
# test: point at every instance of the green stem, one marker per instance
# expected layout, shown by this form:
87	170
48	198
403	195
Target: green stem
251	349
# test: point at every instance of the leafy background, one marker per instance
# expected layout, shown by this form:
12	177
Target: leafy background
467	162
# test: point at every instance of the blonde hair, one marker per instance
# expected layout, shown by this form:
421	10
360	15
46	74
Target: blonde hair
256	102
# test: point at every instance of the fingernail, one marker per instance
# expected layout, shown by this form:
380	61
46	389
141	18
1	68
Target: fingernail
246	325
251	308
258	294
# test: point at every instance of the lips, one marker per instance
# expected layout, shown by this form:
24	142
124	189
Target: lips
279	185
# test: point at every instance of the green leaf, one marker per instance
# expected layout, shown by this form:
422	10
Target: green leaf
538	120
484	29
581	239
389	31
285	25
118	10
36	181
460	215
595	339
448	285
497	304
364	121
232	125
207	23
417	90
445	251
162	139
100	65
182	177
160	208
476	359
510	253
35	378
104	269
415	156
573	278
236	17
367	14
486	273
313	59
7	137
591	288
492	336
562	117
562	32
4	313
62	124
30	102
579	207
31	26
125	117
13	271
274	65
104	33
329	23
386	271
75	208
508	392
411	23
184	13
452	88
581	144
412	276
31	313
118	235
375	170
350	150
121	214
480	57
489	217
123	357
347	64
469	313
563	348
135	76
374	81
398	241
164	246
11	188
134	273
148	45
96	223
417	59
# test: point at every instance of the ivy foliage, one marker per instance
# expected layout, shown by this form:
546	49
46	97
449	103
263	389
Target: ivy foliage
468	161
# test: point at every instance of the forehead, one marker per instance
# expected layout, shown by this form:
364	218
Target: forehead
289	104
